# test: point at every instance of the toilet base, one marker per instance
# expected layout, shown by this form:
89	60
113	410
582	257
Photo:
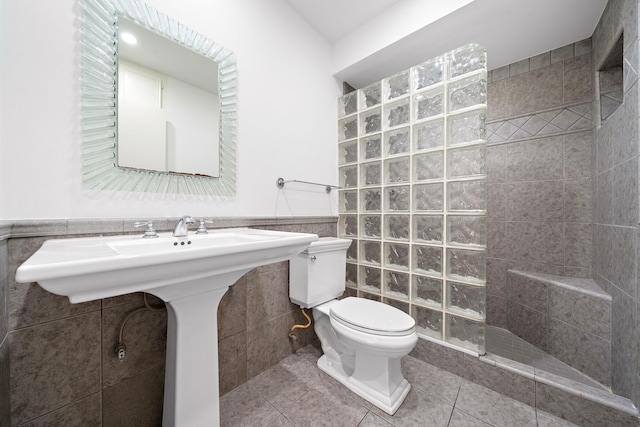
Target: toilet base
388	403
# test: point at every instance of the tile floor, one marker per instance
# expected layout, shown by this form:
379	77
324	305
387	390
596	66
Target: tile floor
296	393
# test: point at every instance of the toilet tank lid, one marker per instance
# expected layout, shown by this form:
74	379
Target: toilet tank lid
372	315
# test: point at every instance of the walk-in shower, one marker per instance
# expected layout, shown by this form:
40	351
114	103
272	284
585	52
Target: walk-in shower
485	205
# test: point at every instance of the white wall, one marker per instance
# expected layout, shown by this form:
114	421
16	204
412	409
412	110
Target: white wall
287	113
3	202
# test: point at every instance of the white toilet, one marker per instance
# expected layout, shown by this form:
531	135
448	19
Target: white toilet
363	340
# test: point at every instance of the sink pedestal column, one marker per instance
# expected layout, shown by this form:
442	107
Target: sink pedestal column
191	391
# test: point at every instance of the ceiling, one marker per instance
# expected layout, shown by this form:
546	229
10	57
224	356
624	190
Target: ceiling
334	19
511	30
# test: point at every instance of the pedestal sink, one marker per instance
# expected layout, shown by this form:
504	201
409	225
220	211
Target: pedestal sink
191	274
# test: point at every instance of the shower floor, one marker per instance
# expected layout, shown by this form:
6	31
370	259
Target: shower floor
501	342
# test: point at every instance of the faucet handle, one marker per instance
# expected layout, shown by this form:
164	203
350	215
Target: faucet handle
202	227
150	232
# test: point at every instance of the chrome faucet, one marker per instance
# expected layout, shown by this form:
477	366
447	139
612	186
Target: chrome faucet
182	229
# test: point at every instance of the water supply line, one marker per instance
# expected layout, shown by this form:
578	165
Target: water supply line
120	348
300	326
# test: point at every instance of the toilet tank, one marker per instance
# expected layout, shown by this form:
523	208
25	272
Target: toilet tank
317	275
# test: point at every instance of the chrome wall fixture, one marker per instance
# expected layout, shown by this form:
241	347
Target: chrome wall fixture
281	182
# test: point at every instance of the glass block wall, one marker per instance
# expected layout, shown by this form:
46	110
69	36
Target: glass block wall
413	197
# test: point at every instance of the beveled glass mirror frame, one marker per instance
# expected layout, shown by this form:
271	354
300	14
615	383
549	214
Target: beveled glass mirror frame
99	62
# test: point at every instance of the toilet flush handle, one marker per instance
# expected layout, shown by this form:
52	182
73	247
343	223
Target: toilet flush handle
313	258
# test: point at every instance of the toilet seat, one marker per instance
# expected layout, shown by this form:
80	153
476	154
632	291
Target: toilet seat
372	317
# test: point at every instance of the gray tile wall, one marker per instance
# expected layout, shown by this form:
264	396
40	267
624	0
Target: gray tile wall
568	318
58	359
539	184
615	175
4	335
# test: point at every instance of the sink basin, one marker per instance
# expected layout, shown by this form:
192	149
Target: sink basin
91	268
191	274
220	239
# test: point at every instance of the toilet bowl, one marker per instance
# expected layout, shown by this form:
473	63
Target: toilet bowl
363	340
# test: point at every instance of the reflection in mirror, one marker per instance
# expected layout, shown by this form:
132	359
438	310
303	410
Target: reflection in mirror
109	162
167	104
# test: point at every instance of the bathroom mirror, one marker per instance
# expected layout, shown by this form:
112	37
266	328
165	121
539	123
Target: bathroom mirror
109	70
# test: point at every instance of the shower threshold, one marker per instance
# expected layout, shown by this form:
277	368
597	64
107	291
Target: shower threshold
503	343
508	351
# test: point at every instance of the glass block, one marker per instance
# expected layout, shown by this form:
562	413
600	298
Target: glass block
428	166
397	141
397	170
370	252
428	73
427	291
396	114
370	279
348	152
349	225
371	200
396	256
397	198
427	260
428	322
347	128
406	251
370	226
351	275
370	95
469	266
348	104
367	295
427	228
352	251
467	161
467	93
467	230
348	176
465	333
349	201
371	173
466	299
396	284
428	135
428	197
428	104
467	196
396	227
466	59
350	292
371	147
370	121
467	127
400	305
396	85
